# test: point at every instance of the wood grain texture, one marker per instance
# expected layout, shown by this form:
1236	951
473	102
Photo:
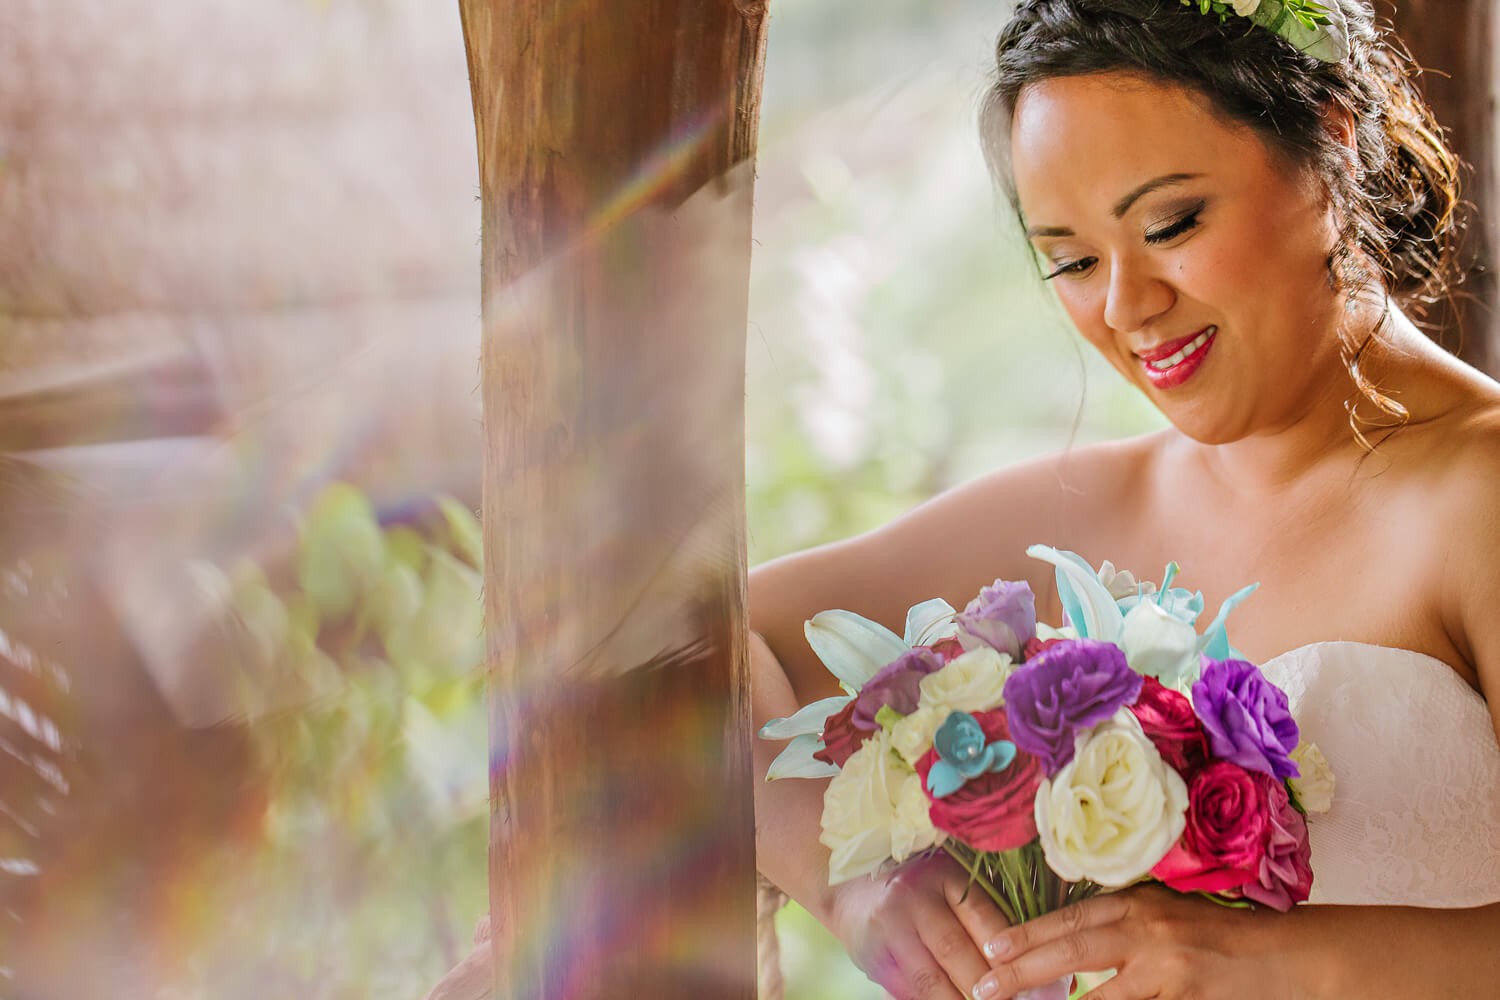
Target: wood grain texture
1454	41
615	145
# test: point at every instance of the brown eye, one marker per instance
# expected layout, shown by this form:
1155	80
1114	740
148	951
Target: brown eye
1078	266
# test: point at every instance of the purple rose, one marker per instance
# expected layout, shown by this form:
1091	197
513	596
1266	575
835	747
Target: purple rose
1002	616
1246	718
1063	690
897	684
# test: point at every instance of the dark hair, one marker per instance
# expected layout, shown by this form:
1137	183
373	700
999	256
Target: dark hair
1397	194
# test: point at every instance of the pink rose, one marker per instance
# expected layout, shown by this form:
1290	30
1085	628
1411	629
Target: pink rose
993	812
841	737
1168	718
1222	847
1285	876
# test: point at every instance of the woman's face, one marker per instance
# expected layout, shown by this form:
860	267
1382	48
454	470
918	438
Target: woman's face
1184	250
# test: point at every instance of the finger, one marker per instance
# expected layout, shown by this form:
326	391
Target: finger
915	975
975	910
950	943
1123	986
1092	948
1091	913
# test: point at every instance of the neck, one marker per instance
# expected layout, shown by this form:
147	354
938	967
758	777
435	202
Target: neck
1318	436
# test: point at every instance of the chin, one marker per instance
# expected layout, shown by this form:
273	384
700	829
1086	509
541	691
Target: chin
1204	427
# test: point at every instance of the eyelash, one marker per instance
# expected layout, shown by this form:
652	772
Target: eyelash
1166	234
1170	232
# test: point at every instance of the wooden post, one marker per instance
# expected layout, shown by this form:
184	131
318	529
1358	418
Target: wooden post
1454	40
615	153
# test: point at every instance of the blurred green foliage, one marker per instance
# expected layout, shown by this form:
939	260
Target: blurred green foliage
358	664
900	341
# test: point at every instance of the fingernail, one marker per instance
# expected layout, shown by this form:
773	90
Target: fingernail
986	988
996	948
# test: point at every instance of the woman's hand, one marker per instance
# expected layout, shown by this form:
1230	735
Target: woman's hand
1162	944
916	931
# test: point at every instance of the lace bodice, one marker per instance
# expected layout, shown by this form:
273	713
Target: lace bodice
1416	808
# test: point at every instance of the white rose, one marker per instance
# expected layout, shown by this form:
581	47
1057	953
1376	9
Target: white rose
912	736
972	682
869	814
1244	8
911	825
1161	645
1314	789
1113	812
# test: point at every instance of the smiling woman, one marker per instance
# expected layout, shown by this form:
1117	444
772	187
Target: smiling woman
1155	217
1237	206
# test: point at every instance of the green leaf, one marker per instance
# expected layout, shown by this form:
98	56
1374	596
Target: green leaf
342	551
404	547
463	527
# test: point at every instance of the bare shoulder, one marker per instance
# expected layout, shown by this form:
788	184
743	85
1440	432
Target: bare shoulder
951	545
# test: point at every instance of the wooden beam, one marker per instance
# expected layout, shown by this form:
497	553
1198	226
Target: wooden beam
615	149
1454	41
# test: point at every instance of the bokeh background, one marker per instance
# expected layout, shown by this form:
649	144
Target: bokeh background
242	736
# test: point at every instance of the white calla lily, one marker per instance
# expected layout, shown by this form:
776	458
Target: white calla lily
1090	607
1161	645
797	760
852	647
930	621
807	719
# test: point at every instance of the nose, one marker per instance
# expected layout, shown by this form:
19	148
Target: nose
1136	296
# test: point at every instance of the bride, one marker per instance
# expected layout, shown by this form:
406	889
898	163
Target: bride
1234	211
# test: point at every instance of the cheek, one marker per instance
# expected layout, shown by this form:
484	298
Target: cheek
1085	309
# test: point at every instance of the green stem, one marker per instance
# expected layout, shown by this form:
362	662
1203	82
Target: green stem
974	877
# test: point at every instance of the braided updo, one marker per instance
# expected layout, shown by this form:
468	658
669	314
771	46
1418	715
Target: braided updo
1397	194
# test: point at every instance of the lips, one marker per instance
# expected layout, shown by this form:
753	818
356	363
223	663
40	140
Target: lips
1172	363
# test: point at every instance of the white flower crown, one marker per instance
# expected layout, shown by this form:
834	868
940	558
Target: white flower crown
1318	29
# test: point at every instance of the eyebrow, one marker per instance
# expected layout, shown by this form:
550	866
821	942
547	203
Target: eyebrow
1121	207
1166	180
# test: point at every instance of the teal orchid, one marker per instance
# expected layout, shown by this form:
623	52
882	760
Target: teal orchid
964	754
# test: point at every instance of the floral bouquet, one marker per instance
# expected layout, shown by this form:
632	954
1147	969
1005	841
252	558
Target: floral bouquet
1054	763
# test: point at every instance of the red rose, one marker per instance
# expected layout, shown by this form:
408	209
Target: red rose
1168	718
949	649
840	737
993	812
1285	877
1035	646
1225	839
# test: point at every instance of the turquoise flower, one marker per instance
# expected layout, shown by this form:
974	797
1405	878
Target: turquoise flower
964	753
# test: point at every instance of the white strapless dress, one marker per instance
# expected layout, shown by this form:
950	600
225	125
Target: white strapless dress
1416	806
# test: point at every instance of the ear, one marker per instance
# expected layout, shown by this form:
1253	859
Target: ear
1338	122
